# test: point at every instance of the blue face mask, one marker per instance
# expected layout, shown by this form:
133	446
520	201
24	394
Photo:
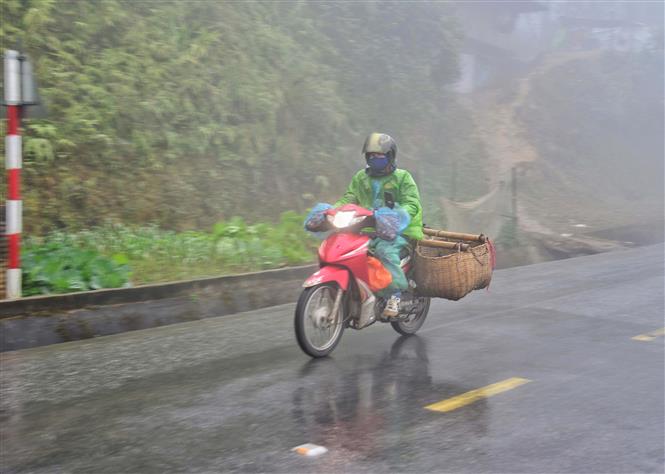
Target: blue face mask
378	163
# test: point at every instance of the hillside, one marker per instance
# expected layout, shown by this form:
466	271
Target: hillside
184	113
181	114
580	133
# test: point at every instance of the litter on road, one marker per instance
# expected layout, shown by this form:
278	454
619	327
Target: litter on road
310	450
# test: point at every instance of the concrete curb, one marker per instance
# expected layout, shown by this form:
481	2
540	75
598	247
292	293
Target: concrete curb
69	301
42	320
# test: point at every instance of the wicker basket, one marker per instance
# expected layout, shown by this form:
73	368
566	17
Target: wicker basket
453	273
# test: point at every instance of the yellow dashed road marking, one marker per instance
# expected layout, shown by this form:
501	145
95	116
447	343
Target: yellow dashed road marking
650	336
467	398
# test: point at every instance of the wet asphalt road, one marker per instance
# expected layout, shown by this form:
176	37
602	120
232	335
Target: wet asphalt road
236	394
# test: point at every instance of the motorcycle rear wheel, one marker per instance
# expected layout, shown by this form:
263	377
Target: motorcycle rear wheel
414	322
316	335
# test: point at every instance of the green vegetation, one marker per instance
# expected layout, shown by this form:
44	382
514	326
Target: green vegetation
111	256
180	114
57	266
167	117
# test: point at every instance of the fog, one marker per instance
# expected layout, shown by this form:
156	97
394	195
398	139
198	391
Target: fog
567	101
537	123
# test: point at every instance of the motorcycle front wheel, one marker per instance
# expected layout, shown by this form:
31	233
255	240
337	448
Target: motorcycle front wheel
415	321
318	330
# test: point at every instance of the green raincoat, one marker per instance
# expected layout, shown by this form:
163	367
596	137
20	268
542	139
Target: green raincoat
368	192
400	183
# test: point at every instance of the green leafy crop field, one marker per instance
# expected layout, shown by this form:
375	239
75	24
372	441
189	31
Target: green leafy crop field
115	256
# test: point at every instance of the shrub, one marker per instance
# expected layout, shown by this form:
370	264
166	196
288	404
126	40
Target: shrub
60	267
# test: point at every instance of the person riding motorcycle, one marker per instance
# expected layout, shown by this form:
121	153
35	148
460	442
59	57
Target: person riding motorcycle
368	189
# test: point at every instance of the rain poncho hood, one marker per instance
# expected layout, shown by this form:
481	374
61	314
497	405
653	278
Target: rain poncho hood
368	192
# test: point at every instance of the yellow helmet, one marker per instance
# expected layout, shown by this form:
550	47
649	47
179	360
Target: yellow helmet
380	144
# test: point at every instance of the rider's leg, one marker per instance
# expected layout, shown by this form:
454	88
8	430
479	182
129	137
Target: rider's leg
388	252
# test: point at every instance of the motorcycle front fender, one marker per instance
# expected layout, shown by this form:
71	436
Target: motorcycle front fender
340	275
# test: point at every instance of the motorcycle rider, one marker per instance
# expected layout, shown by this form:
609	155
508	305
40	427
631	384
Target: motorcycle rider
368	188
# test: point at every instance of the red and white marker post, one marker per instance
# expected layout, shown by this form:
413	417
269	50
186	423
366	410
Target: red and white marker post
13	163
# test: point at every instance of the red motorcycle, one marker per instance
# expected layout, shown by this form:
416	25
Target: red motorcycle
338	295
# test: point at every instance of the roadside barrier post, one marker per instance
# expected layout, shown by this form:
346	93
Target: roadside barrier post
13	165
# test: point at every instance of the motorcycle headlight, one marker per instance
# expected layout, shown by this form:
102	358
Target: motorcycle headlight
344	219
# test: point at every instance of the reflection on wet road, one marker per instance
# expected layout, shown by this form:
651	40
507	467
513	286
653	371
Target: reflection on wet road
236	394
375	410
